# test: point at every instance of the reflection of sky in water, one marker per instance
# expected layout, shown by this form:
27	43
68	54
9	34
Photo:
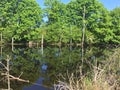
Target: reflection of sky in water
37	86
44	67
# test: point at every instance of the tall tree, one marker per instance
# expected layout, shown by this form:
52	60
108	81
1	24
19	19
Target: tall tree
5	16
115	14
20	17
55	11
96	18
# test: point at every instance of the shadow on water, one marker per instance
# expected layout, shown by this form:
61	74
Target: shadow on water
44	69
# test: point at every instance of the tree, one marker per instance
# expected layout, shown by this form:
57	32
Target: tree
55	11
62	18
5	16
20	18
97	20
115	14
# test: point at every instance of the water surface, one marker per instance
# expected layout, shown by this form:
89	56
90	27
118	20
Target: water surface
43	67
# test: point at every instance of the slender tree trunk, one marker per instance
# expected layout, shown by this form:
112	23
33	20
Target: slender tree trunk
83	33
1	44
8	74
83	30
1	50
1	37
42	40
12	43
42	43
71	34
71	38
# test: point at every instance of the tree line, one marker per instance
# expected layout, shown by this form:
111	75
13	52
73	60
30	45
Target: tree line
78	21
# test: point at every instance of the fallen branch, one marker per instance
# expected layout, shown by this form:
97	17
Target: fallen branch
5	89
15	78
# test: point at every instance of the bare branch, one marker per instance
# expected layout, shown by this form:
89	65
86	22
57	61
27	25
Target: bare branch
16	78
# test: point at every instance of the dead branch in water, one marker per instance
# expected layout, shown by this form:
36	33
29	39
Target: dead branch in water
15	78
8	75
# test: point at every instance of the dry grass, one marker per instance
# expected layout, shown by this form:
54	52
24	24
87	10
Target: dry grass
103	77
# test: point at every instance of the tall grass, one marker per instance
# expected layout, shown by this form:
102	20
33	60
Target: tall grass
105	76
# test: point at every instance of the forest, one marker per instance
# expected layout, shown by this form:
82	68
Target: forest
76	22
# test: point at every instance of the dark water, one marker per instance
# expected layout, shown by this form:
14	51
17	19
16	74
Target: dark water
42	67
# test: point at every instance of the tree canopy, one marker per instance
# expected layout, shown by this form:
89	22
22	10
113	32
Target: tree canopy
23	20
20	18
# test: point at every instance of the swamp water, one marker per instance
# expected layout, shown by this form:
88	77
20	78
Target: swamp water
43	67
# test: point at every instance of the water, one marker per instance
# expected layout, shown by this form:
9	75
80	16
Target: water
42	68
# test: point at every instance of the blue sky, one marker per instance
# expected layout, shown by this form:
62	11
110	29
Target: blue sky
109	4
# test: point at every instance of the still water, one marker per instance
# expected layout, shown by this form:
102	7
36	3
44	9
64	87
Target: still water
43	67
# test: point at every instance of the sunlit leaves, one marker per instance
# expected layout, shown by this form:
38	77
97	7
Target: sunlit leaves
115	14
22	17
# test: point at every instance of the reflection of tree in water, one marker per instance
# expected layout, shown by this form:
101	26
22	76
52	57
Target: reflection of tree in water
54	61
28	62
60	61
29	67
7	77
67	61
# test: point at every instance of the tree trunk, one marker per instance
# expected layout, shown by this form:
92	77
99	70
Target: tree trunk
71	34
1	37
1	50
42	43
70	38
83	33
12	43
8	72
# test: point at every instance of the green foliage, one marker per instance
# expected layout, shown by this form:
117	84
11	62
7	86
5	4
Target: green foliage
115	14
64	19
55	11
96	19
21	17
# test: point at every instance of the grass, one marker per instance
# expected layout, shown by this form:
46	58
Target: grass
105	76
